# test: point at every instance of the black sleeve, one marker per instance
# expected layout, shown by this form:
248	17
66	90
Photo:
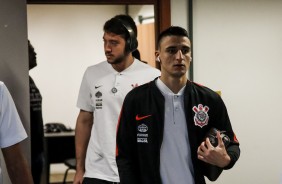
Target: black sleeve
234	153
233	149
126	144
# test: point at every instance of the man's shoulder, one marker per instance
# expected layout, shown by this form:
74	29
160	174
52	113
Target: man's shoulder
144	65
202	87
143	68
205	91
3	88
1	84
97	69
142	90
98	66
142	94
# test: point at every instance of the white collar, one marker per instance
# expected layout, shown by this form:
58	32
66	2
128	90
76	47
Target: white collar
165	90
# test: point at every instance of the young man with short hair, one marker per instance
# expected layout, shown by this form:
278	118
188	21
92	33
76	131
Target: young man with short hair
163	124
101	95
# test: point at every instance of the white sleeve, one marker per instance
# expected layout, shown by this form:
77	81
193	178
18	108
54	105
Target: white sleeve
11	127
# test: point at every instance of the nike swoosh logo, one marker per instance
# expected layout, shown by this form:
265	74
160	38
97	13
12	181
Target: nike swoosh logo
138	118
96	87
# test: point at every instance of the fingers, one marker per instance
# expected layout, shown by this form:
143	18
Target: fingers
204	150
208	144
201	151
219	139
213	155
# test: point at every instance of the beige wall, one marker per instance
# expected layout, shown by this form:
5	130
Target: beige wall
237	49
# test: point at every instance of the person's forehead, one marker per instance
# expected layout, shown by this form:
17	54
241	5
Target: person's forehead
110	35
175	40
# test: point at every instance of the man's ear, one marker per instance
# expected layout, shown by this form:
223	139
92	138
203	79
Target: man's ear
158	59
157	54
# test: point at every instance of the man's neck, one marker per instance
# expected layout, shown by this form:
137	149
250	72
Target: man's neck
119	67
175	84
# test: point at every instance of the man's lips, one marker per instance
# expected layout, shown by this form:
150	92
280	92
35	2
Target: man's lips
109	55
179	65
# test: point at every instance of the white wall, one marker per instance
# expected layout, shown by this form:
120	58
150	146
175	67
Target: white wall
237	49
179	13
67	39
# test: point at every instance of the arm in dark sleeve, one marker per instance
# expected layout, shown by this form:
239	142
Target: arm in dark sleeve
234	153
233	150
126	145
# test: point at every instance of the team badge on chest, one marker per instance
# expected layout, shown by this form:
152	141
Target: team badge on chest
201	117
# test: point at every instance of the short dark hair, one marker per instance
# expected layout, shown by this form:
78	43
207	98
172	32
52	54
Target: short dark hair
124	26
172	31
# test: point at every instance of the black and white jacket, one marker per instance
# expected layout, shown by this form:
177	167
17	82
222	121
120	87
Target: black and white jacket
141	124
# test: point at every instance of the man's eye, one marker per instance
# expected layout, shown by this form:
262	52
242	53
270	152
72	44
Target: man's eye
113	42
185	51
172	51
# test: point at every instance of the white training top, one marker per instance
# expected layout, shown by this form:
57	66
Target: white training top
11	128
102	92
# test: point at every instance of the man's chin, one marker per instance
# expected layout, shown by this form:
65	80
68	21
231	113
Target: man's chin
179	74
115	61
109	61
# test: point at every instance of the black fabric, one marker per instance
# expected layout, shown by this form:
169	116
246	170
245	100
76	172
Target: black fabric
37	164
131	41
96	181
139	163
36	120
212	172
36	131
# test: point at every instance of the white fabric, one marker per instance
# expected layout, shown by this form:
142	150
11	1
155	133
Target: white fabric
96	96
175	154
11	128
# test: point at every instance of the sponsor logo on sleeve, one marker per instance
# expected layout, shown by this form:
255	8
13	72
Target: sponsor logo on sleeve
138	118
142	136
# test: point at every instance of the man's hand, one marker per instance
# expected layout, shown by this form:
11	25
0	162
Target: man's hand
214	155
78	178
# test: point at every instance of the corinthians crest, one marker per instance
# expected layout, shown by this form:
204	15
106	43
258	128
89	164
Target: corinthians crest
201	117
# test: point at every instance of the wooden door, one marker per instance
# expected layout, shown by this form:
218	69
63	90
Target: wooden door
146	42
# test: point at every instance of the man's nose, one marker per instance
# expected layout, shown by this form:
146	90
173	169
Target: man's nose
179	55
107	47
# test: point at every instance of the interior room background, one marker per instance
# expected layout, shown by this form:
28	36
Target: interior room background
237	50
68	39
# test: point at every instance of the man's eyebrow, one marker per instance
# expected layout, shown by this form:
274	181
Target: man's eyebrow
171	47
174	46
